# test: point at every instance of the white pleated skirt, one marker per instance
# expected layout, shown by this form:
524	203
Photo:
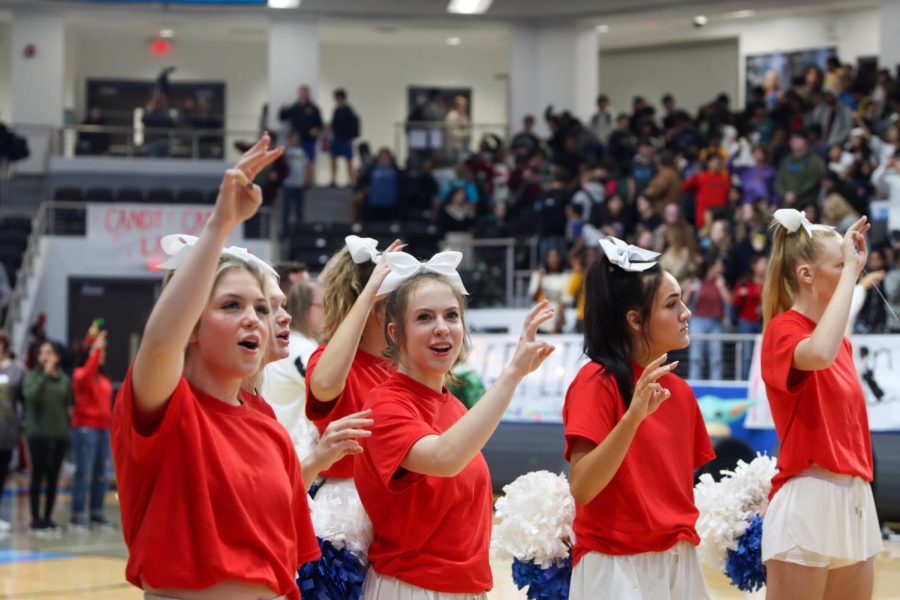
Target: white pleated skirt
822	519
381	587
671	575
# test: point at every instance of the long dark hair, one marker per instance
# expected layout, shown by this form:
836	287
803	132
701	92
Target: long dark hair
610	292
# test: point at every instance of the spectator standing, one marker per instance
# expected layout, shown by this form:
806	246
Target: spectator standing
525	142
378	190
11	375
304	118
159	123
344	129
872	317
710	187
710	297
294	186
459	128
550	282
748	306
665	187
680	255
48	397
91	419
886	179
756	173
603	121
835	118
799	174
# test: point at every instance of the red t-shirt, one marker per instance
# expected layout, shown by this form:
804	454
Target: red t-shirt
648	505
820	416
366	372
748	296
214	493
93	395
711	192
431	532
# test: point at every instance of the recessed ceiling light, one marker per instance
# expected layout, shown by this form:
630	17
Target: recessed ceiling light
166	34
454	41
469	7
700	20
741	14
603	28
284	3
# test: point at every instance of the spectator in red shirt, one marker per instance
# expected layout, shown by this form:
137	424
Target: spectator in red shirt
90	433
748	305
710	186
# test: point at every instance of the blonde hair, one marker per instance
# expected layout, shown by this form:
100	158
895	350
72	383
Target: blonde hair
299	302
789	250
344	282
396	306
837	209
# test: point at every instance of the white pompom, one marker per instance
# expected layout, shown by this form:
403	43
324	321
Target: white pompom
339	517
534	519
727	506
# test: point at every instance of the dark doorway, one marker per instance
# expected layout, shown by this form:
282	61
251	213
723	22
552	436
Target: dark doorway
124	304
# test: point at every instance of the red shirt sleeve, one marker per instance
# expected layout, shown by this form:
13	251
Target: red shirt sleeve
593	406
143	444
315	408
779	342
397	428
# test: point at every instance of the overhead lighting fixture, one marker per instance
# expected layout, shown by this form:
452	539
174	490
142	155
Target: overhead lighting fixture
166	34
284	3
701	21
454	41
602	28
741	14
469	7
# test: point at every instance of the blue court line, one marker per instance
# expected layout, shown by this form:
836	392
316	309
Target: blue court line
13	556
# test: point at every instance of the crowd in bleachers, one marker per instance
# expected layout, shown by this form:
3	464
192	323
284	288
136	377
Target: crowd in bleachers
697	187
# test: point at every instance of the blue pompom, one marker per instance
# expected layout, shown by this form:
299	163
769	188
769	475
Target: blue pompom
744	566
338	574
551	583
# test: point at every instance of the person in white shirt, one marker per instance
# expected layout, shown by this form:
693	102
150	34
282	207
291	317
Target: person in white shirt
284	381
886	180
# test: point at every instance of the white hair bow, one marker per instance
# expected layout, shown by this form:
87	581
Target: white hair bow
793	219
628	257
176	245
403	266
362	249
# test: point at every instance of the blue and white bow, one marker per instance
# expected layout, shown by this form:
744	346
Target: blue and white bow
793	219
362	249
628	257
403	266
176	245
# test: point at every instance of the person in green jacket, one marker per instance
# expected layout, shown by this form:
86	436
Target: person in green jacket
800	174
48	398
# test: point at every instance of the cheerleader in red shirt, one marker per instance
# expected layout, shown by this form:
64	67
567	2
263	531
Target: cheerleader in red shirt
341	372
212	497
634	436
421	477
820	531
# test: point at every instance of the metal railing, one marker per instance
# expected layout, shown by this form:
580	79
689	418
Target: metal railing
441	142
14	308
489	261
150	142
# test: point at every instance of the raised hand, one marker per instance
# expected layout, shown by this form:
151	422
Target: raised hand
340	439
381	270
239	198
648	394
530	353
854	247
